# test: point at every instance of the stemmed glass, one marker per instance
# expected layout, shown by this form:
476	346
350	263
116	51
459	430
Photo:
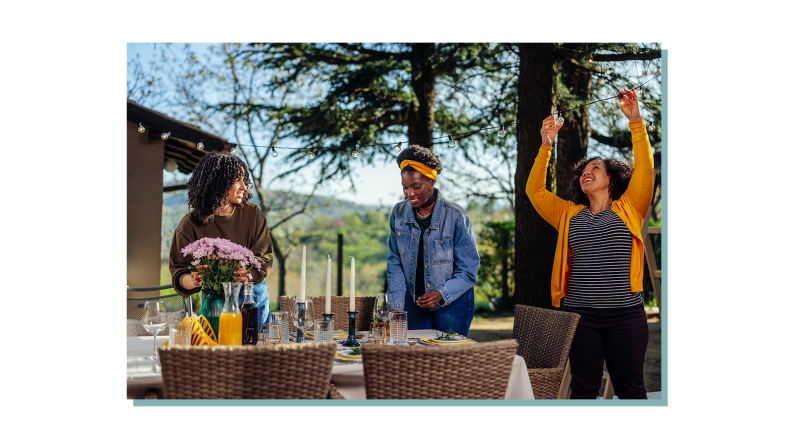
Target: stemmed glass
382	305
155	318
305	321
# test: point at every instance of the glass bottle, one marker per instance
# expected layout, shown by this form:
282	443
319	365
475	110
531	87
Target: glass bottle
250	317
231	317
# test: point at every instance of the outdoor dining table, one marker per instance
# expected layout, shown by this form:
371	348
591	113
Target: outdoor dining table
144	378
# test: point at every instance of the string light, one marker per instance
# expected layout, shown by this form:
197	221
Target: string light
451	142
233	150
170	165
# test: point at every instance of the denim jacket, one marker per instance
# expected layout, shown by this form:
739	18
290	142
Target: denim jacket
451	259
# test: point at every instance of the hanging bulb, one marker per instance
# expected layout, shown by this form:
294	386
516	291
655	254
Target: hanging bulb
355	154
559	119
164	135
607	71
397	148
234	149
451	142
200	145
591	60
170	165
141	129
274	153
311	155
651	127
501	132
602	80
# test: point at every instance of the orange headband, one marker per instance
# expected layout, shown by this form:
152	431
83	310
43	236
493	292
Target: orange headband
423	169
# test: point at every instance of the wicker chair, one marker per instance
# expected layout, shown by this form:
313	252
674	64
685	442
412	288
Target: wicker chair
339	306
478	371
545	337
248	372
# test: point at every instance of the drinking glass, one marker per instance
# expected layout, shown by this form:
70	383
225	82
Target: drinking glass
305	320
398	327
323	330
382	304
377	334
269	334
282	319
155	318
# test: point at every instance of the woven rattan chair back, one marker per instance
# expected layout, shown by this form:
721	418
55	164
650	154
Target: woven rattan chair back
248	372
173	302
545	337
478	371
339	305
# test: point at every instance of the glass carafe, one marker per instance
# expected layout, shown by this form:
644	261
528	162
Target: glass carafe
231	317
250	319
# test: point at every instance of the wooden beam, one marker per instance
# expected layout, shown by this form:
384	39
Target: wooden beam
173	188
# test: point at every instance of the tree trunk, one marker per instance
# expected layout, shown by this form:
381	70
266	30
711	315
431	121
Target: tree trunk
505	295
420	119
281	268
534	238
574	135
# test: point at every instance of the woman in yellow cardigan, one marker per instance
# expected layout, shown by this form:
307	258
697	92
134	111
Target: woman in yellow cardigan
598	266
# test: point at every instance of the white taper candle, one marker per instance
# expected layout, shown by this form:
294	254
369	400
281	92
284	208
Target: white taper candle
302	278
327	294
352	288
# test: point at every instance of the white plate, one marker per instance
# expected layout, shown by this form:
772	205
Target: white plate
349	353
446	341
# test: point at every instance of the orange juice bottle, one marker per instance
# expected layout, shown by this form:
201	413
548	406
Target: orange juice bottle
231	318
230	329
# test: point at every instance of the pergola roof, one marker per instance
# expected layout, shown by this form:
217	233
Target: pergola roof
181	145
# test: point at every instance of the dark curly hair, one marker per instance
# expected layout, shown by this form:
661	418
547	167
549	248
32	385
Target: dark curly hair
420	154
211	180
619	172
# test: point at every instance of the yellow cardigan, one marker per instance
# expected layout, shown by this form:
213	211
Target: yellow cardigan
631	207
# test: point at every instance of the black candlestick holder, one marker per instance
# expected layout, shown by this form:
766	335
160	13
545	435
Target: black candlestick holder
351	340
327	316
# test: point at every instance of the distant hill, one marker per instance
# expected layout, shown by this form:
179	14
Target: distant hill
174	208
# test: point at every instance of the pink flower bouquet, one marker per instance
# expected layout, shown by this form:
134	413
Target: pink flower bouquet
217	261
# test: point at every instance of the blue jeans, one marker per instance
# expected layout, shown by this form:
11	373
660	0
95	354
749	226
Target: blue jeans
261	296
457	315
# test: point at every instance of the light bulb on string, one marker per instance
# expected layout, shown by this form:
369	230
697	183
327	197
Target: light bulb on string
502	132
164	135
274	152
311	155
234	149
141	129
651	127
559	119
590	59
355	154
602	80
200	145
397	148
607	71
451	142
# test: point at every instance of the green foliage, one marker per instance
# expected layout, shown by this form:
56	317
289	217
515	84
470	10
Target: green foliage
496	241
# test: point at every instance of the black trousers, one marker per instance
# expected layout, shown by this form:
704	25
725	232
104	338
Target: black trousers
617	336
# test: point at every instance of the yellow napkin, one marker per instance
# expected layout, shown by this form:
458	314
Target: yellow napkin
347	357
430	341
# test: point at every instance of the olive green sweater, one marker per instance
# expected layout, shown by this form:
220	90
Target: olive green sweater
245	226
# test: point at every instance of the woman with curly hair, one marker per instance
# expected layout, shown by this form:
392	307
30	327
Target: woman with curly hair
218	195
433	260
598	265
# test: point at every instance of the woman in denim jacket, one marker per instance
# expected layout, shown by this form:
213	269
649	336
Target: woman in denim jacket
433	259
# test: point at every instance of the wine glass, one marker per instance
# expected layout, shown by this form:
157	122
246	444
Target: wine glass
269	334
155	318
382	305
305	320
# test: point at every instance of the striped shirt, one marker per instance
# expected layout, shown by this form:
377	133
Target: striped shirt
600	277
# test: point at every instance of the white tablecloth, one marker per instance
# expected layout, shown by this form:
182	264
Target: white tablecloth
143	377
